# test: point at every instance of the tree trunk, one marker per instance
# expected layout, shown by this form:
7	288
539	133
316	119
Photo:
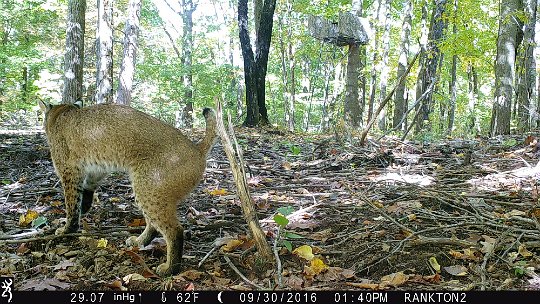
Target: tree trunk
385	68
287	70
292	68
421	65
429	73
375	58
526	90
24	86
74	57
400	106
472	96
187	46
104	52
452	85
127	68
325	117
505	67
255	65
252	107
351	107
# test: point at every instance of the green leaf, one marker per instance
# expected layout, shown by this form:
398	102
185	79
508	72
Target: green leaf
281	220
287	245
285	210
38	222
291	235
509	143
295	150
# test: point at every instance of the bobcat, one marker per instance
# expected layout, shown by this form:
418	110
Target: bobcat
163	165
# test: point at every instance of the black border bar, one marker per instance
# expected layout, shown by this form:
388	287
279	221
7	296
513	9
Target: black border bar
249	297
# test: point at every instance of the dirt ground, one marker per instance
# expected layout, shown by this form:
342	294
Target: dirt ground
392	215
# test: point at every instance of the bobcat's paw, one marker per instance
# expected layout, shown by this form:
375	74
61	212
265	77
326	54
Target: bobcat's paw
60	231
132	241
164	270
66	229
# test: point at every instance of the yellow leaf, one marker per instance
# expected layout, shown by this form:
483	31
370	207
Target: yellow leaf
56	204
411	217
304	252
217	192
318	266
434	264
102	243
523	251
26	219
378	204
456	254
114	199
232	245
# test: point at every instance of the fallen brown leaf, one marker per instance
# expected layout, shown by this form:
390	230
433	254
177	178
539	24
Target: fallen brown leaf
394	279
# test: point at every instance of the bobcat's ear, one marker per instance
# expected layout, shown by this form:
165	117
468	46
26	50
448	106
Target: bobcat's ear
44	106
78	104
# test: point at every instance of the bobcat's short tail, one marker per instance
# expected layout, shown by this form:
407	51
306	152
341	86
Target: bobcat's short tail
206	143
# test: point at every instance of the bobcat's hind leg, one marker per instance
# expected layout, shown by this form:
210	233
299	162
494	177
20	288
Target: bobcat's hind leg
173	233
72	180
160	212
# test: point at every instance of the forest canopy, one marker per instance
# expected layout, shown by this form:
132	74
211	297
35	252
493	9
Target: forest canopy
188	52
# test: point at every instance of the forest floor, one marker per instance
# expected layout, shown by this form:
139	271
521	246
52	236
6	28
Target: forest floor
391	215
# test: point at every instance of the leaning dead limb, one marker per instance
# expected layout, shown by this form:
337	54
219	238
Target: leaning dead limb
386	100
237	167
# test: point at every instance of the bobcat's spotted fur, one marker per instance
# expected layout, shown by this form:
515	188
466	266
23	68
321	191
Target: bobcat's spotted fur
163	165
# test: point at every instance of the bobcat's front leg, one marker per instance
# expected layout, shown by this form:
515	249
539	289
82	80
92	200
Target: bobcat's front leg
72	182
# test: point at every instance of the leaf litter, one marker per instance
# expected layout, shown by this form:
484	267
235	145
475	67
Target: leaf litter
390	215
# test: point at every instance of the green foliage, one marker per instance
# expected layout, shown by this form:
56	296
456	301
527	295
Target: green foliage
295	150
285	210
29	30
280	218
519	268
32	35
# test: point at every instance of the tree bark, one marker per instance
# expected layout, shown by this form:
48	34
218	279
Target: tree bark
472	97
351	108
421	65
188	8
255	64
375	57
104	52
505	67
74	57
385	68
400	106
127	68
452	85
429	73
526	89
287	70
